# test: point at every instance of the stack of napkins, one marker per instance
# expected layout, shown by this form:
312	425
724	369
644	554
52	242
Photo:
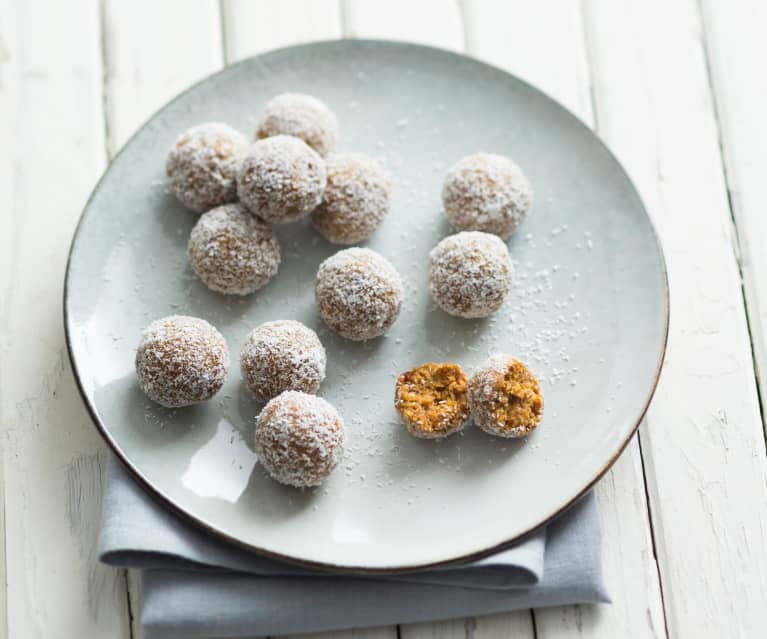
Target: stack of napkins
196	586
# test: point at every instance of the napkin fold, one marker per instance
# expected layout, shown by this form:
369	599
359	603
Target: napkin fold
197	586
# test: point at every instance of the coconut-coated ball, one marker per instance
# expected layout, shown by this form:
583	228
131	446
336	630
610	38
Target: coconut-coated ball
280	356
281	179
202	165
486	192
299	439
302	116
358	293
232	251
470	274
505	398
181	360
356	201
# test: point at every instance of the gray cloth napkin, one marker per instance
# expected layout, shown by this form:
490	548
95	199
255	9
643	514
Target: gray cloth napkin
196	586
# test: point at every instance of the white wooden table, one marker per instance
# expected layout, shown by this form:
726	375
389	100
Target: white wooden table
677	88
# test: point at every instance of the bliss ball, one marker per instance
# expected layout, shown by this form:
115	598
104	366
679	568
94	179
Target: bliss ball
181	360
299	439
281	356
202	165
232	251
486	192
432	400
359	293
281	179
302	116
356	201
505	398
470	274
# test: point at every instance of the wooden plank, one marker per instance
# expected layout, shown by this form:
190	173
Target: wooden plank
53	133
433	22
389	632
629	565
143	73
736	46
153	51
518	625
702	440
438	24
543	43
254	26
8	103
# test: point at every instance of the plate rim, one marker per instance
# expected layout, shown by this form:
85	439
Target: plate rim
157	494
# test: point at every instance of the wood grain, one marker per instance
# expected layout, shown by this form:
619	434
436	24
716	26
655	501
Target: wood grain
50	113
253	26
543	42
434	22
517	624
736	47
670	84
142	73
702	440
153	51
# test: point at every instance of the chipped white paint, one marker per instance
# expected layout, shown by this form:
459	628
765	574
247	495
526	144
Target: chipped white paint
736	45
702	441
52	131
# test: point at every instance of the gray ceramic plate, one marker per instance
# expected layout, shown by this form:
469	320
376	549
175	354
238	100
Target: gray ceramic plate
588	313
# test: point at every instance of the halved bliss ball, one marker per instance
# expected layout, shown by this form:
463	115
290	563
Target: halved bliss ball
505	398
432	400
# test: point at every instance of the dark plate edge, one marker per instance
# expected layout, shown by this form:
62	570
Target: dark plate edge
158	495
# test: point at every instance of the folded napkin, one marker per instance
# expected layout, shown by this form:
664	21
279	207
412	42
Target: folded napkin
196	586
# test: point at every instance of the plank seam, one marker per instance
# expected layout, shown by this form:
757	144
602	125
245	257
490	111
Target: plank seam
344	11
5	611
589	56
467	30
109	150
737	251
222	24
652	536
590	65
130	605
105	101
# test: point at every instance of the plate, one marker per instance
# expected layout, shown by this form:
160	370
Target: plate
588	313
